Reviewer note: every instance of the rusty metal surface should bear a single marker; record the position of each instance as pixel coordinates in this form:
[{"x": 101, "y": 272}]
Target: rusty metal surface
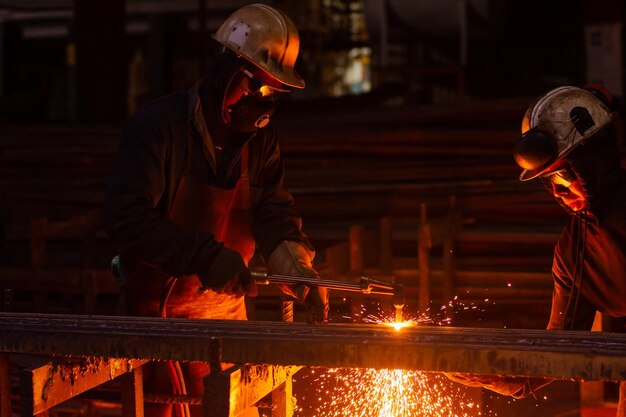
[{"x": 561, "y": 354}]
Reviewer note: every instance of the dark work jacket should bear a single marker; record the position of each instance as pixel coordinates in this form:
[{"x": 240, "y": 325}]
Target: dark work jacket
[
  {"x": 591, "y": 252},
  {"x": 152, "y": 157},
  {"x": 595, "y": 239}
]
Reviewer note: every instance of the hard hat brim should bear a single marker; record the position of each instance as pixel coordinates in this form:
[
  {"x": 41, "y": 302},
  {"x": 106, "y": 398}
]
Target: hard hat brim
[
  {"x": 289, "y": 78},
  {"x": 528, "y": 174}
]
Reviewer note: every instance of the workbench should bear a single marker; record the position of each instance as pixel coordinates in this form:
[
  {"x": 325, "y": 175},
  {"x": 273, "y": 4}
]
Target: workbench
[{"x": 269, "y": 349}]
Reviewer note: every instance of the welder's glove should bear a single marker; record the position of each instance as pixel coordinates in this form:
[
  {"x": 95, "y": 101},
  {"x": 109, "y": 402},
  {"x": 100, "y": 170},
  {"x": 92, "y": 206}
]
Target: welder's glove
[
  {"x": 295, "y": 259},
  {"x": 516, "y": 387},
  {"x": 229, "y": 274},
  {"x": 316, "y": 303}
]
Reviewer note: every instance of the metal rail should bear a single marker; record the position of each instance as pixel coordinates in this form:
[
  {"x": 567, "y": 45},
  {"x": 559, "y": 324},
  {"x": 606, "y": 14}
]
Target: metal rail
[{"x": 559, "y": 354}]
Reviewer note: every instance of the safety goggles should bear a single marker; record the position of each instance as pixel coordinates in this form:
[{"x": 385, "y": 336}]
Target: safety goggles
[
  {"x": 262, "y": 91},
  {"x": 563, "y": 177}
]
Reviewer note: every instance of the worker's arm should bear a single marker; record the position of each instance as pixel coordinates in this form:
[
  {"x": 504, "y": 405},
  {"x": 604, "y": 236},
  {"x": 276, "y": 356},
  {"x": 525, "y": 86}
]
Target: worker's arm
[
  {"x": 278, "y": 230},
  {"x": 276, "y": 218},
  {"x": 516, "y": 387},
  {"x": 568, "y": 311},
  {"x": 149, "y": 163}
]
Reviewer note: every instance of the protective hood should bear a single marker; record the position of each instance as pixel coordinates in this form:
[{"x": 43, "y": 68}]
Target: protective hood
[{"x": 217, "y": 79}]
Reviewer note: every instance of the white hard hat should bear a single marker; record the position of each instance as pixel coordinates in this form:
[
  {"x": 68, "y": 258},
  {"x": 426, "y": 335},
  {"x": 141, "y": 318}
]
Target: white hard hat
[
  {"x": 555, "y": 124},
  {"x": 267, "y": 38}
]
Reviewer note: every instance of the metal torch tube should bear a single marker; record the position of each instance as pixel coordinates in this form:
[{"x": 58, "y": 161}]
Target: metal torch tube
[{"x": 365, "y": 286}]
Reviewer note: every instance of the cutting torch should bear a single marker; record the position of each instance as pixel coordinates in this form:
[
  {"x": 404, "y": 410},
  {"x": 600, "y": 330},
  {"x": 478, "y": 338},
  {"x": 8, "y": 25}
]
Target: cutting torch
[{"x": 365, "y": 285}]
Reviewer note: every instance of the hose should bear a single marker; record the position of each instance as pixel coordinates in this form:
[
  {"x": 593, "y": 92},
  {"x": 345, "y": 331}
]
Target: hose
[{"x": 175, "y": 371}]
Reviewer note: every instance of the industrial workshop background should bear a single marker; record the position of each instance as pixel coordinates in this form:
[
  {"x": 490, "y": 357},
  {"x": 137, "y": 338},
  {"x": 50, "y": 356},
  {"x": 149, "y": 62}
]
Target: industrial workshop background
[{"x": 398, "y": 151}]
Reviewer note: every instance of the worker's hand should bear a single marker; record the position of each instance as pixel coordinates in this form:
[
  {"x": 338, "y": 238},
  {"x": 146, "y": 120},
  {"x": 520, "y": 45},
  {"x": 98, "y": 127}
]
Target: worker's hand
[
  {"x": 295, "y": 259},
  {"x": 516, "y": 387},
  {"x": 316, "y": 303},
  {"x": 229, "y": 274}
]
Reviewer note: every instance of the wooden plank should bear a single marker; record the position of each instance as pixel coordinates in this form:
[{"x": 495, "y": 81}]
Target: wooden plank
[
  {"x": 357, "y": 242},
  {"x": 423, "y": 259},
  {"x": 560, "y": 354},
  {"x": 90, "y": 292},
  {"x": 38, "y": 253},
  {"x": 132, "y": 393},
  {"x": 5, "y": 386},
  {"x": 57, "y": 279},
  {"x": 229, "y": 392},
  {"x": 283, "y": 402},
  {"x": 385, "y": 236},
  {"x": 50, "y": 383},
  {"x": 445, "y": 228},
  {"x": 509, "y": 237},
  {"x": 82, "y": 223}
]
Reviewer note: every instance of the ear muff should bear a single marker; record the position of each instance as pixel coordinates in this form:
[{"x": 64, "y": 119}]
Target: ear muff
[
  {"x": 535, "y": 150},
  {"x": 601, "y": 92}
]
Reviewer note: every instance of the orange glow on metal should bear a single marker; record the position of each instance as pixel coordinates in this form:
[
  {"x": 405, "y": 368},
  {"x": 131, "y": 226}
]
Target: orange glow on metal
[{"x": 400, "y": 325}]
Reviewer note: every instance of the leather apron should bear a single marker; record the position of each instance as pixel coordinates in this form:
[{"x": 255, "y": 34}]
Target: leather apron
[{"x": 227, "y": 214}]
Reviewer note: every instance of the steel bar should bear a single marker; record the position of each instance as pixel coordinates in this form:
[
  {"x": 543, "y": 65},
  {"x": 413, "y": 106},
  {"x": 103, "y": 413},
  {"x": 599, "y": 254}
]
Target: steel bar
[
  {"x": 172, "y": 399},
  {"x": 559, "y": 354}
]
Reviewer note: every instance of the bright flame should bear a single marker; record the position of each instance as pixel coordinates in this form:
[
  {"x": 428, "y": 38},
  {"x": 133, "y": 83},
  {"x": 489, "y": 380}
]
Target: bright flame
[{"x": 400, "y": 325}]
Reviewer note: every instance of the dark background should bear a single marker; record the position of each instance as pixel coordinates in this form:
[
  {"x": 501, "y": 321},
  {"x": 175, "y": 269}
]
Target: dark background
[
  {"x": 430, "y": 112},
  {"x": 138, "y": 50}
]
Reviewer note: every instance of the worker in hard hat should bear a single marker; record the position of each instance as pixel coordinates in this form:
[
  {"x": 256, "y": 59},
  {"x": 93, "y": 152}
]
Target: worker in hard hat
[
  {"x": 569, "y": 142},
  {"x": 198, "y": 185}
]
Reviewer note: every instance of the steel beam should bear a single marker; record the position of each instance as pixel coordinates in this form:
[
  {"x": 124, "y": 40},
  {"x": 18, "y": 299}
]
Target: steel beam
[{"x": 559, "y": 354}]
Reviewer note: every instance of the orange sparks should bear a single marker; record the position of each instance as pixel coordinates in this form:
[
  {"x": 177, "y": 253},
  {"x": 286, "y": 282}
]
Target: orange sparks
[{"x": 389, "y": 393}]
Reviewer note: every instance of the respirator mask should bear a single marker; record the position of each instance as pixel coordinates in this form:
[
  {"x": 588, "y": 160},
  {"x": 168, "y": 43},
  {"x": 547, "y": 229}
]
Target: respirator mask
[{"x": 254, "y": 109}]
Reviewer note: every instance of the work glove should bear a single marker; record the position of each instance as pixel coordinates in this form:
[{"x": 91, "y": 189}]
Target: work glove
[
  {"x": 295, "y": 259},
  {"x": 516, "y": 387},
  {"x": 229, "y": 274}
]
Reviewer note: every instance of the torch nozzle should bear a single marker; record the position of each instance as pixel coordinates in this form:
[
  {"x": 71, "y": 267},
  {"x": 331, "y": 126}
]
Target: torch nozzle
[{"x": 399, "y": 316}]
